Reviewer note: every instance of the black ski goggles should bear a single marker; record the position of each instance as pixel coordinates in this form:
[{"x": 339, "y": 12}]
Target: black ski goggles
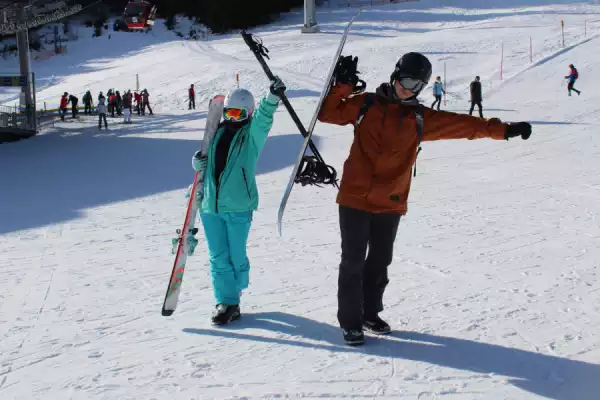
[{"x": 414, "y": 85}]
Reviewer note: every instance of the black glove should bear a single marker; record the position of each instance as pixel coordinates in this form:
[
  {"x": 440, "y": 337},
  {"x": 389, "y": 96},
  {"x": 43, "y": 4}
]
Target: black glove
[
  {"x": 345, "y": 71},
  {"x": 515, "y": 129},
  {"x": 277, "y": 87}
]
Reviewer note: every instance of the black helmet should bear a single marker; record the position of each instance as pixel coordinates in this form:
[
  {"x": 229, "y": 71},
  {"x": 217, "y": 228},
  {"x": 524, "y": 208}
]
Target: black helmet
[{"x": 413, "y": 66}]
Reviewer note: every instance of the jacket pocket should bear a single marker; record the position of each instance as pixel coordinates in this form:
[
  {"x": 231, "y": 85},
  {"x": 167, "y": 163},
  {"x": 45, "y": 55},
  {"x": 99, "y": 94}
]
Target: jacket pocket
[{"x": 246, "y": 182}]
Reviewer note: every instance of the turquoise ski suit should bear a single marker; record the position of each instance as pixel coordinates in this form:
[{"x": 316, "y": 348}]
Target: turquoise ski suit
[{"x": 227, "y": 205}]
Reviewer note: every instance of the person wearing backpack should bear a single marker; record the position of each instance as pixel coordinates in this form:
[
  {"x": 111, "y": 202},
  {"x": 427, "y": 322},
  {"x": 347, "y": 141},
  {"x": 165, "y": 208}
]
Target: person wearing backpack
[
  {"x": 389, "y": 126},
  {"x": 572, "y": 77},
  {"x": 438, "y": 91},
  {"x": 87, "y": 103}
]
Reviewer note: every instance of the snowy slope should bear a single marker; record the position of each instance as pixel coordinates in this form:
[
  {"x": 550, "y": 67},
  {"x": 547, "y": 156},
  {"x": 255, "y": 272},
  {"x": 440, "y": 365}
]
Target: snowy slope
[{"x": 493, "y": 291}]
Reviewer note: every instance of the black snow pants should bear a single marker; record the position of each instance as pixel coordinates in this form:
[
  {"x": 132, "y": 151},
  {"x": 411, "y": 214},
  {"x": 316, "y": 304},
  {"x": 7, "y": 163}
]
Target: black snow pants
[
  {"x": 438, "y": 100},
  {"x": 363, "y": 277},
  {"x": 478, "y": 103},
  {"x": 192, "y": 103},
  {"x": 102, "y": 117}
]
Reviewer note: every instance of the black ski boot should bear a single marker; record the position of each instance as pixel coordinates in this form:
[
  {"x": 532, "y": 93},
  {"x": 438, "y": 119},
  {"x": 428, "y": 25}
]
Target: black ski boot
[
  {"x": 377, "y": 326},
  {"x": 224, "y": 314},
  {"x": 354, "y": 337}
]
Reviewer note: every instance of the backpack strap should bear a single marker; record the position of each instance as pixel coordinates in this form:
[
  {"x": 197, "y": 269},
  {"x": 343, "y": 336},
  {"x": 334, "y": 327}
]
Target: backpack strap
[
  {"x": 369, "y": 99},
  {"x": 420, "y": 117}
]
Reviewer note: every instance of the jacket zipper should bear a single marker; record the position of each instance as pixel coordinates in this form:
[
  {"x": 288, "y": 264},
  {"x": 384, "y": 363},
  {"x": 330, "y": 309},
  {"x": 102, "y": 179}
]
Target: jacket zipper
[
  {"x": 222, "y": 173},
  {"x": 246, "y": 181}
]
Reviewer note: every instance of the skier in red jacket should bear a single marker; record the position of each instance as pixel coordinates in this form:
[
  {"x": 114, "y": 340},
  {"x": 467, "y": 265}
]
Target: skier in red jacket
[
  {"x": 64, "y": 102},
  {"x": 192, "y": 97}
]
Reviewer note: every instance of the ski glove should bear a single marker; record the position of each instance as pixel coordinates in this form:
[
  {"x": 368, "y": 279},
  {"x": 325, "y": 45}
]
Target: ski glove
[
  {"x": 199, "y": 162},
  {"x": 277, "y": 87},
  {"x": 346, "y": 70},
  {"x": 515, "y": 129}
]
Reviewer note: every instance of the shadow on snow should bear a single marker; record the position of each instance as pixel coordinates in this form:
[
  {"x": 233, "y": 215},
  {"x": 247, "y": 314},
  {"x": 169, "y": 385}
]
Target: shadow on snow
[
  {"x": 545, "y": 375},
  {"x": 52, "y": 178}
]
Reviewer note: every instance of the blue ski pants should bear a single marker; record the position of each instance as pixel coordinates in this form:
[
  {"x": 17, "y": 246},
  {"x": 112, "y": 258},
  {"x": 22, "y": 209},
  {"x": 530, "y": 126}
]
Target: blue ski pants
[{"x": 226, "y": 235}]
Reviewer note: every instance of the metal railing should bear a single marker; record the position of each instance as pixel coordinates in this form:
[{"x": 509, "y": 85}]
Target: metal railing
[{"x": 17, "y": 118}]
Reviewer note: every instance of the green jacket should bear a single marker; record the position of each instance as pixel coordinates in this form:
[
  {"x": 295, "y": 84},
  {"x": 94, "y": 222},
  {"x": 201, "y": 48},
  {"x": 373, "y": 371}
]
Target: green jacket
[{"x": 237, "y": 189}]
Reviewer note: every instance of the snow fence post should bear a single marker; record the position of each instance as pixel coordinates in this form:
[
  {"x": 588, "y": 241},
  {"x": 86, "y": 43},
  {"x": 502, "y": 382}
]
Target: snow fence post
[
  {"x": 562, "y": 27},
  {"x": 445, "y": 87},
  {"x": 501, "y": 60}
]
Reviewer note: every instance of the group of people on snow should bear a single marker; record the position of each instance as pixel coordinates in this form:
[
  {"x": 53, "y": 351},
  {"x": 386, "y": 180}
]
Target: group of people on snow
[
  {"x": 113, "y": 103},
  {"x": 389, "y": 126}
]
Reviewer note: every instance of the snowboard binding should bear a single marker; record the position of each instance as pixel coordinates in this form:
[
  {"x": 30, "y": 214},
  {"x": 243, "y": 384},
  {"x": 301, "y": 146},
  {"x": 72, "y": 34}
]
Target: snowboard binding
[
  {"x": 315, "y": 172},
  {"x": 191, "y": 241}
]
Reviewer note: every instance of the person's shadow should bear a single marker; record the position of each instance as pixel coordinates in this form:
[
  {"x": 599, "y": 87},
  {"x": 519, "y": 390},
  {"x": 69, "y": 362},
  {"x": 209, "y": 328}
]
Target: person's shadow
[{"x": 545, "y": 375}]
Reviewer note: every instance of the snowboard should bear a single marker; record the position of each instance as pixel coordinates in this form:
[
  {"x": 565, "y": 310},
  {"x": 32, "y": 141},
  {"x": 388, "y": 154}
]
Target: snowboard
[
  {"x": 313, "y": 121},
  {"x": 185, "y": 242}
]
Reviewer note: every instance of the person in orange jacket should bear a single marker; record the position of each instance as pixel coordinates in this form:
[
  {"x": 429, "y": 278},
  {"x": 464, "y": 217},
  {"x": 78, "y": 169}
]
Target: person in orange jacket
[
  {"x": 64, "y": 102},
  {"x": 389, "y": 126}
]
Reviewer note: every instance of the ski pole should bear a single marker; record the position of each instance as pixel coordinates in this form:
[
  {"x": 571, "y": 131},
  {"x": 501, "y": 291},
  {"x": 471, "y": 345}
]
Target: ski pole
[{"x": 261, "y": 52}]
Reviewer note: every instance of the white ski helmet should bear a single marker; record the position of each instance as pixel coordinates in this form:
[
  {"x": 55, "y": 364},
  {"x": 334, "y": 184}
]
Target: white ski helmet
[{"x": 240, "y": 98}]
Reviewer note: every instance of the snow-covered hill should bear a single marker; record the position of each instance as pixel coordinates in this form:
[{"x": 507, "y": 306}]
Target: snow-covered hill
[{"x": 494, "y": 289}]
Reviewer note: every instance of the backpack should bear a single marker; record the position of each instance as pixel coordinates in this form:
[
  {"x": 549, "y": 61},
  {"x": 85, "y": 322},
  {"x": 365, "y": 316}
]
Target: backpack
[
  {"x": 419, "y": 116},
  {"x": 575, "y": 73}
]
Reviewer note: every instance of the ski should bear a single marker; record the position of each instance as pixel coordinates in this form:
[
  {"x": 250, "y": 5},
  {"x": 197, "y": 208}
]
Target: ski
[
  {"x": 311, "y": 127},
  {"x": 185, "y": 242}
]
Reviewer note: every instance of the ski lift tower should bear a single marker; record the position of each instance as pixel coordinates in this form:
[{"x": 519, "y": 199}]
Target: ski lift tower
[{"x": 310, "y": 17}]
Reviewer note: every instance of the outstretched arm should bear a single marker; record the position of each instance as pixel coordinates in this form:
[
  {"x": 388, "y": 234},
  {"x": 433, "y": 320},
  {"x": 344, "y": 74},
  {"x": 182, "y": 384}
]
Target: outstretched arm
[{"x": 441, "y": 125}]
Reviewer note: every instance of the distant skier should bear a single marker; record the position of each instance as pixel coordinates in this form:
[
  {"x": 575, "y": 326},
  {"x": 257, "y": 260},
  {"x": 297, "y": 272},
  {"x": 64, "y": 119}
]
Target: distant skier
[
  {"x": 102, "y": 112},
  {"x": 87, "y": 103},
  {"x": 146, "y": 102},
  {"x": 64, "y": 103},
  {"x": 476, "y": 96},
  {"x": 119, "y": 103},
  {"x": 112, "y": 104},
  {"x": 127, "y": 103},
  {"x": 438, "y": 91},
  {"x": 192, "y": 97},
  {"x": 572, "y": 77},
  {"x": 377, "y": 176},
  {"x": 231, "y": 195},
  {"x": 137, "y": 97},
  {"x": 74, "y": 101}
]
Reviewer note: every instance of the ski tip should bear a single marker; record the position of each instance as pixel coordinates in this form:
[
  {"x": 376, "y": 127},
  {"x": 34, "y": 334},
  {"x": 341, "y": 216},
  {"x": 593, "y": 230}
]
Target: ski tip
[
  {"x": 279, "y": 228},
  {"x": 167, "y": 313}
]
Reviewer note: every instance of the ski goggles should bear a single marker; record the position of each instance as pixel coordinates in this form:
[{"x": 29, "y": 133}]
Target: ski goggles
[
  {"x": 235, "y": 114},
  {"x": 414, "y": 85}
]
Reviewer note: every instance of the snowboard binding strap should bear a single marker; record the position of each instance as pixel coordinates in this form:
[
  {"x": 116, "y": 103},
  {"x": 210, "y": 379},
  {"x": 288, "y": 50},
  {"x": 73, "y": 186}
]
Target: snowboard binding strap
[{"x": 314, "y": 172}]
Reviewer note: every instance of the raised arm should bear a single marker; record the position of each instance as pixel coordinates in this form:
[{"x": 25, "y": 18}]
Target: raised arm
[{"x": 339, "y": 108}]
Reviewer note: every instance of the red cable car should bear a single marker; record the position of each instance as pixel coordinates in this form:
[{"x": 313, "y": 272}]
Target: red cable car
[{"x": 139, "y": 15}]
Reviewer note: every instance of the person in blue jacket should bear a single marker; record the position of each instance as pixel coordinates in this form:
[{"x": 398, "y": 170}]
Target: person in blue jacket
[
  {"x": 438, "y": 90},
  {"x": 572, "y": 77},
  {"x": 230, "y": 193}
]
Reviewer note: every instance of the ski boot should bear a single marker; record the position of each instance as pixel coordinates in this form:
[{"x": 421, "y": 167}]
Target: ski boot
[{"x": 224, "y": 314}]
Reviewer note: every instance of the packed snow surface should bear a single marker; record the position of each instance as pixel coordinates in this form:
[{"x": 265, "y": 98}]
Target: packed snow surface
[{"x": 494, "y": 291}]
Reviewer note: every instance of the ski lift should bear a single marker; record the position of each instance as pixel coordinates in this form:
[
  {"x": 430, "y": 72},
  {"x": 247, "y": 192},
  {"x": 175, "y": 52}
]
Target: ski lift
[{"x": 139, "y": 14}]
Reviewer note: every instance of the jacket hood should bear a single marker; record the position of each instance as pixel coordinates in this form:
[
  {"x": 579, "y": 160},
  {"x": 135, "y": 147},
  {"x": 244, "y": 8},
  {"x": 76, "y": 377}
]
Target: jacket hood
[{"x": 386, "y": 91}]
